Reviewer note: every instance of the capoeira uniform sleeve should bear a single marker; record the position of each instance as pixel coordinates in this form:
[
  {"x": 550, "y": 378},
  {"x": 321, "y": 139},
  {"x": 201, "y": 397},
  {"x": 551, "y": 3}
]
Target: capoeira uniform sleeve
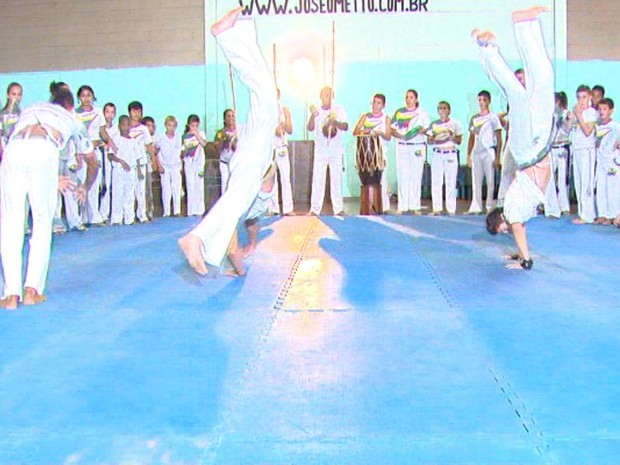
[
  {"x": 531, "y": 108},
  {"x": 254, "y": 151}
]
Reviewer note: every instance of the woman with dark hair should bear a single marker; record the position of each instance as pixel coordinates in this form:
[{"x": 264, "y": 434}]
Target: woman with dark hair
[
  {"x": 226, "y": 143},
  {"x": 29, "y": 171},
  {"x": 93, "y": 120},
  {"x": 10, "y": 112}
]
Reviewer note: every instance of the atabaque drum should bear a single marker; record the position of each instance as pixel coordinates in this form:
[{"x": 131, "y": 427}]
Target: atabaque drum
[{"x": 370, "y": 164}]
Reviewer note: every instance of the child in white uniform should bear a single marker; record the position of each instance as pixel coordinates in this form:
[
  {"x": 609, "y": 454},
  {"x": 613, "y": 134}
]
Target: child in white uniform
[
  {"x": 124, "y": 165},
  {"x": 169, "y": 154},
  {"x": 194, "y": 143},
  {"x": 140, "y": 132},
  {"x": 607, "y": 164},
  {"x": 93, "y": 119},
  {"x": 581, "y": 123}
]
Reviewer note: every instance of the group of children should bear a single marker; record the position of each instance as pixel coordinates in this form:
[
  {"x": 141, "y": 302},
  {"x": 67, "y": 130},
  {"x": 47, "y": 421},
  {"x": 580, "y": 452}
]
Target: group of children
[{"x": 129, "y": 149}]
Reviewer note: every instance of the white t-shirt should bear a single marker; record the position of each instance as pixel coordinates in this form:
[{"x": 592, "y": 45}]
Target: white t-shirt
[
  {"x": 578, "y": 138},
  {"x": 93, "y": 120},
  {"x": 607, "y": 137},
  {"x": 484, "y": 127},
  {"x": 335, "y": 144},
  {"x": 169, "y": 149},
  {"x": 404, "y": 120},
  {"x": 141, "y": 134},
  {"x": 561, "y": 135},
  {"x": 129, "y": 150},
  {"x": 441, "y": 131}
]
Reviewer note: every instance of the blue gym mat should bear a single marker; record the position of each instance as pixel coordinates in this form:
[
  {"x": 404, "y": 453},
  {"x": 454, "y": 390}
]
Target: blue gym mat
[{"x": 357, "y": 340}]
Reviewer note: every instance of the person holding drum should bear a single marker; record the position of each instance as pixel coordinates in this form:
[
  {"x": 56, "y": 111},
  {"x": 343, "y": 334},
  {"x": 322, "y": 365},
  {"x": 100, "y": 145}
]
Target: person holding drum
[
  {"x": 408, "y": 128},
  {"x": 328, "y": 122},
  {"x": 377, "y": 125},
  {"x": 445, "y": 134}
]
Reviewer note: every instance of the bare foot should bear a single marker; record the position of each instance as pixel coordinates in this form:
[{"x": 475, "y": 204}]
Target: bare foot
[
  {"x": 32, "y": 297},
  {"x": 9, "y": 302},
  {"x": 600, "y": 220},
  {"x": 617, "y": 221},
  {"x": 528, "y": 14},
  {"x": 249, "y": 250},
  {"x": 483, "y": 37},
  {"x": 192, "y": 249},
  {"x": 226, "y": 22},
  {"x": 578, "y": 221},
  {"x": 236, "y": 260}
]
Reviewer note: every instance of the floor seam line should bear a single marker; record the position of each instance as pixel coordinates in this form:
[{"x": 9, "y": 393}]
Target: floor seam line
[
  {"x": 520, "y": 410},
  {"x": 250, "y": 365}
]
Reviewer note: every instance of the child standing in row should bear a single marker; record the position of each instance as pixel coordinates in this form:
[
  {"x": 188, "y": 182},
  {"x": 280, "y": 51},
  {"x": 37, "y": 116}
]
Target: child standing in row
[
  {"x": 194, "y": 142},
  {"x": 169, "y": 146},
  {"x": 124, "y": 165},
  {"x": 93, "y": 120},
  {"x": 140, "y": 132},
  {"x": 607, "y": 164}
]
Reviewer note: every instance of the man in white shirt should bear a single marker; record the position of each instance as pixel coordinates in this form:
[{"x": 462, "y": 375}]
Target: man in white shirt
[
  {"x": 328, "y": 122},
  {"x": 483, "y": 152}
]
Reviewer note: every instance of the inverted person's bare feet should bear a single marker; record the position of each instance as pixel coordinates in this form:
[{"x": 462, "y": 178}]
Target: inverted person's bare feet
[
  {"x": 32, "y": 297},
  {"x": 226, "y": 22},
  {"x": 192, "y": 249},
  {"x": 9, "y": 302},
  {"x": 483, "y": 37},
  {"x": 528, "y": 14}
]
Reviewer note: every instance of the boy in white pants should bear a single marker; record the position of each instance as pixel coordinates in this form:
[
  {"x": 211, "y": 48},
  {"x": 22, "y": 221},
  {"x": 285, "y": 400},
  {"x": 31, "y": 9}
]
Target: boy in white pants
[
  {"x": 607, "y": 164},
  {"x": 209, "y": 241},
  {"x": 483, "y": 152},
  {"x": 581, "y": 123},
  {"x": 169, "y": 146},
  {"x": 124, "y": 166},
  {"x": 445, "y": 134},
  {"x": 531, "y": 126}
]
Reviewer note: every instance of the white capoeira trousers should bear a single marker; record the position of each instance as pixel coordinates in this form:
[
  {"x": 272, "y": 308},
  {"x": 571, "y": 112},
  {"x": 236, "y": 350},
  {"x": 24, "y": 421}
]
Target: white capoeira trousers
[
  {"x": 140, "y": 193},
  {"x": 284, "y": 167},
  {"x": 194, "y": 168},
  {"x": 123, "y": 195},
  {"x": 583, "y": 172},
  {"x": 385, "y": 190},
  {"x": 322, "y": 160},
  {"x": 410, "y": 159},
  {"x": 72, "y": 209},
  {"x": 607, "y": 186},
  {"x": 91, "y": 214},
  {"x": 557, "y": 191},
  {"x": 444, "y": 166},
  {"x": 254, "y": 151},
  {"x": 171, "y": 189},
  {"x": 482, "y": 168},
  {"x": 224, "y": 175},
  {"x": 29, "y": 170},
  {"x": 105, "y": 205},
  {"x": 509, "y": 170},
  {"x": 531, "y": 108}
]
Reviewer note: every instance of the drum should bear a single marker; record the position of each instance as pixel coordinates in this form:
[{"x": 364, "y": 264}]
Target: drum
[
  {"x": 369, "y": 163},
  {"x": 369, "y": 159}
]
